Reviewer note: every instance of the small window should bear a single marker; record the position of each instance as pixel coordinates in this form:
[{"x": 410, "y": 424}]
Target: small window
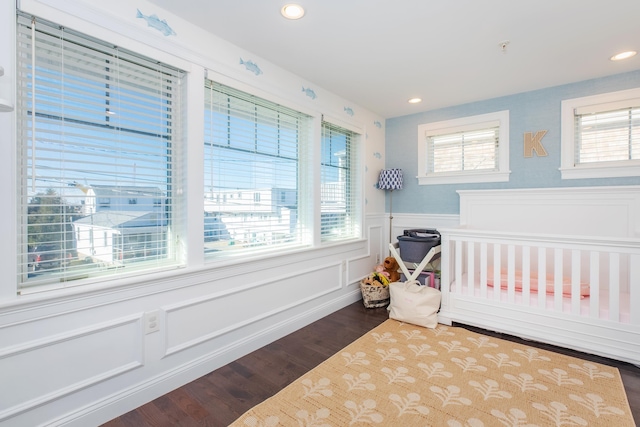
[
  {"x": 469, "y": 149},
  {"x": 601, "y": 135}
]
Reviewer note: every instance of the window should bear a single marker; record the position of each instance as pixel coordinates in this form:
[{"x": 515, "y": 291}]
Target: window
[
  {"x": 98, "y": 126},
  {"x": 340, "y": 195},
  {"x": 256, "y": 150},
  {"x": 601, "y": 135},
  {"x": 469, "y": 149}
]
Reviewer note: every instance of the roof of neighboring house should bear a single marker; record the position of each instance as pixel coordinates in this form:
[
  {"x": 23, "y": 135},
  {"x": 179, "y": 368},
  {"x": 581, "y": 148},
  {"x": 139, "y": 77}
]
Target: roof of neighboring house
[
  {"x": 126, "y": 191},
  {"x": 123, "y": 220}
]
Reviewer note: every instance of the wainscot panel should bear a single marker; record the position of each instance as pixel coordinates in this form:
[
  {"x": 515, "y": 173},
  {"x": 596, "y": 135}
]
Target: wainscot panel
[
  {"x": 193, "y": 322},
  {"x": 81, "y": 357}
]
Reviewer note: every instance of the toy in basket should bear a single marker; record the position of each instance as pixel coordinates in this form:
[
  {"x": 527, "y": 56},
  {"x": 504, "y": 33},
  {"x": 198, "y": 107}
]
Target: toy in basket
[{"x": 375, "y": 287}]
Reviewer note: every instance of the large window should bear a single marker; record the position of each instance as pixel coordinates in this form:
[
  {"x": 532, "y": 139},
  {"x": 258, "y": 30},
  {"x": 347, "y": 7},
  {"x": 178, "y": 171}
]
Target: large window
[
  {"x": 98, "y": 128},
  {"x": 340, "y": 190},
  {"x": 601, "y": 135},
  {"x": 254, "y": 177},
  {"x": 469, "y": 149}
]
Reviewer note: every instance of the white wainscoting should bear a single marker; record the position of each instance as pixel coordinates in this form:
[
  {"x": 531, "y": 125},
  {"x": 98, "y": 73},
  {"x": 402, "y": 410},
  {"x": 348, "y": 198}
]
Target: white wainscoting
[
  {"x": 82, "y": 359},
  {"x": 59, "y": 365},
  {"x": 189, "y": 323}
]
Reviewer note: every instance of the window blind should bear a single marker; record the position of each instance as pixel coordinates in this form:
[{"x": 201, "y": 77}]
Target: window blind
[
  {"x": 471, "y": 150},
  {"x": 254, "y": 165},
  {"x": 607, "y": 135},
  {"x": 99, "y": 132},
  {"x": 340, "y": 192}
]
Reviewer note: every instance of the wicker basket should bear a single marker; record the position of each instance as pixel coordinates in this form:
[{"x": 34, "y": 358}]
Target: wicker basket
[{"x": 374, "y": 296}]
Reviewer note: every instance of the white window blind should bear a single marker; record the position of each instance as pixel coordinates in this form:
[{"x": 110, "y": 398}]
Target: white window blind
[
  {"x": 474, "y": 150},
  {"x": 256, "y": 152},
  {"x": 469, "y": 149},
  {"x": 610, "y": 133},
  {"x": 340, "y": 193},
  {"x": 99, "y": 134}
]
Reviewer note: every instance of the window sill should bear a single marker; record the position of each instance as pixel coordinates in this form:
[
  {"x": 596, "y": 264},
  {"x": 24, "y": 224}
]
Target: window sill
[
  {"x": 464, "y": 178},
  {"x": 608, "y": 171}
]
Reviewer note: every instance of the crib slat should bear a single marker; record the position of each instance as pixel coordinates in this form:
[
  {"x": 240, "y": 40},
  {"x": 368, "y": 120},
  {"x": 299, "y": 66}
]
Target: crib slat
[
  {"x": 496, "y": 271},
  {"x": 483, "y": 269},
  {"x": 557, "y": 279},
  {"x": 614, "y": 286},
  {"x": 526, "y": 276},
  {"x": 594, "y": 284},
  {"x": 542, "y": 277},
  {"x": 634, "y": 291},
  {"x": 575, "y": 281},
  {"x": 471, "y": 275},
  {"x": 458, "y": 266},
  {"x": 511, "y": 273}
]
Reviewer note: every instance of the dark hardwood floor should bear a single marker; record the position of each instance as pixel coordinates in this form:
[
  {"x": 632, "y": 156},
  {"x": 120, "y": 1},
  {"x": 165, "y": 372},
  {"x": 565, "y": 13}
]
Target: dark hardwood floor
[{"x": 221, "y": 396}]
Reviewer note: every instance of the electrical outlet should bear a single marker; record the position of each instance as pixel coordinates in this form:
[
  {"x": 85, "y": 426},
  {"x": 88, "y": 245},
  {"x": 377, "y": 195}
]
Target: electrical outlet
[
  {"x": 377, "y": 259},
  {"x": 151, "y": 321}
]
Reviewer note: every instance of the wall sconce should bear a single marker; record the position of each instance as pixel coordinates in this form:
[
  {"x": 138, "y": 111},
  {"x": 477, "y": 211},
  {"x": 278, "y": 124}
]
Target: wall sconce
[
  {"x": 5, "y": 105},
  {"x": 390, "y": 179}
]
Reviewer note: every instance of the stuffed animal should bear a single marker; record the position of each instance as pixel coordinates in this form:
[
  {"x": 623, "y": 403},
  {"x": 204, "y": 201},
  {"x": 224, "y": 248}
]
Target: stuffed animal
[
  {"x": 376, "y": 279},
  {"x": 391, "y": 266},
  {"x": 380, "y": 269}
]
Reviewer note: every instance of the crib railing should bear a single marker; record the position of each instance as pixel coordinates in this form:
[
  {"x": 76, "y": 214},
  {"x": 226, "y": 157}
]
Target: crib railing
[{"x": 583, "y": 276}]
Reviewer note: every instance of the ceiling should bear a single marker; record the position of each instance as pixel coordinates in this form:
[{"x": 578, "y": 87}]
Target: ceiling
[{"x": 379, "y": 53}]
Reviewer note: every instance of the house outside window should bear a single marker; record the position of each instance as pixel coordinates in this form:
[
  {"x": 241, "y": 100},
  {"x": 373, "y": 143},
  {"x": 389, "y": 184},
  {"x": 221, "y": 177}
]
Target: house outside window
[
  {"x": 340, "y": 194},
  {"x": 97, "y": 126},
  {"x": 464, "y": 150},
  {"x": 601, "y": 135},
  {"x": 256, "y": 158}
]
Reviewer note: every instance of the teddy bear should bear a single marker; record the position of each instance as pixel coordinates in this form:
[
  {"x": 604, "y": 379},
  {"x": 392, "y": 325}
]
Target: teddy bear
[{"x": 391, "y": 267}]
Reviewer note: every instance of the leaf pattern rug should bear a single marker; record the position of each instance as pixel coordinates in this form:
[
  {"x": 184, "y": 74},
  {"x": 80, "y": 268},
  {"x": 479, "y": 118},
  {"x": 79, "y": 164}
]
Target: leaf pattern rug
[{"x": 400, "y": 374}]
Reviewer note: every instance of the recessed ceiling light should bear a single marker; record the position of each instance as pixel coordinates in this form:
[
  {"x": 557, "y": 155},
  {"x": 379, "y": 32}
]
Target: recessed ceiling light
[
  {"x": 415, "y": 100},
  {"x": 292, "y": 11},
  {"x": 623, "y": 55}
]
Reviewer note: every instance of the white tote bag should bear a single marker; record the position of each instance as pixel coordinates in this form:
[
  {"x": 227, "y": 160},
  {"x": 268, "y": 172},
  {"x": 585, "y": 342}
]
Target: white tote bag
[{"x": 415, "y": 304}]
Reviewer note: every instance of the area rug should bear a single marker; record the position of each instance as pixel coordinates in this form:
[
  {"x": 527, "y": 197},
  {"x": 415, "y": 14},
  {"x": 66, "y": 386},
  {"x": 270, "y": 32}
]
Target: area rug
[{"x": 404, "y": 375}]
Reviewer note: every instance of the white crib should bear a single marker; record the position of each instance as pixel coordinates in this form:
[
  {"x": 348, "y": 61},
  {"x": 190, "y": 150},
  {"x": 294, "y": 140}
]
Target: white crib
[{"x": 560, "y": 266}]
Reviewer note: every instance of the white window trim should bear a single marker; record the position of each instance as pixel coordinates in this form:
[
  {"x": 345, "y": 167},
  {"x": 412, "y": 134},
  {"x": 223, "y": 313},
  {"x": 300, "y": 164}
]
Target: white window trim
[
  {"x": 568, "y": 168},
  {"x": 462, "y": 124}
]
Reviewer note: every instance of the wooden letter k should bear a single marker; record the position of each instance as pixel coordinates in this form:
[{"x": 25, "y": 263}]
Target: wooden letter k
[{"x": 532, "y": 143}]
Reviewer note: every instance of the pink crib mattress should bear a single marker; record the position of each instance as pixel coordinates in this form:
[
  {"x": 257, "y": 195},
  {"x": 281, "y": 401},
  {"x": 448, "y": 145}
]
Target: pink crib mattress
[{"x": 533, "y": 283}]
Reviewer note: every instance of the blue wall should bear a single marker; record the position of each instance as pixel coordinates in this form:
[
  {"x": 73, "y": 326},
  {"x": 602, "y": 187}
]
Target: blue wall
[{"x": 528, "y": 112}]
